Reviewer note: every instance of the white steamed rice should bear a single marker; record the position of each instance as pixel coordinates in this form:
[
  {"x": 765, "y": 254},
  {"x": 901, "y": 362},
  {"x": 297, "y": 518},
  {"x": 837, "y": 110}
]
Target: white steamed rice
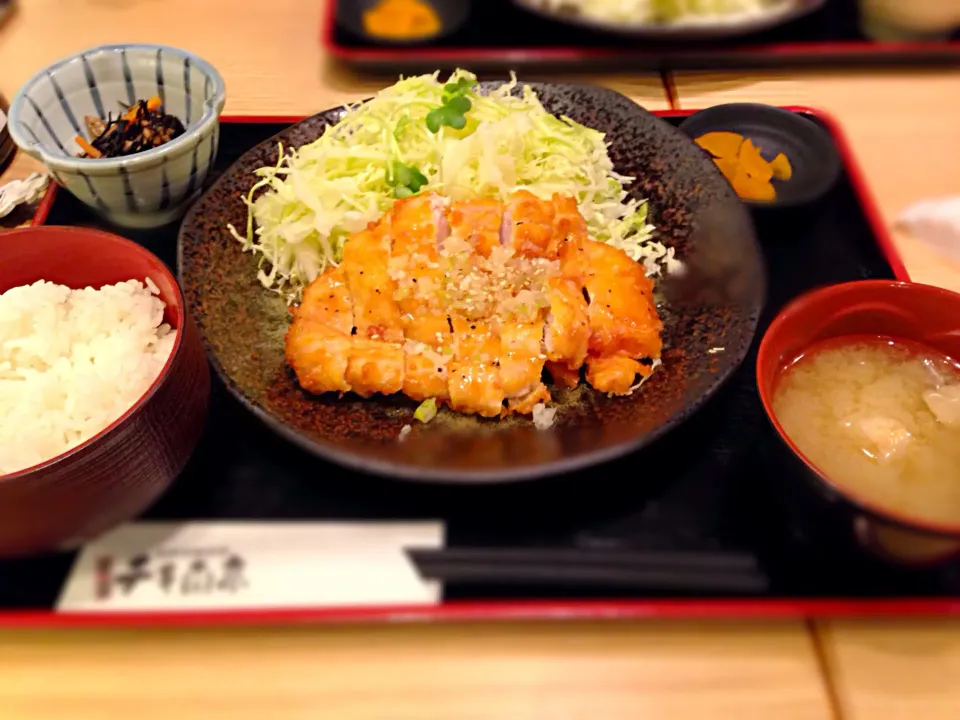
[{"x": 72, "y": 362}]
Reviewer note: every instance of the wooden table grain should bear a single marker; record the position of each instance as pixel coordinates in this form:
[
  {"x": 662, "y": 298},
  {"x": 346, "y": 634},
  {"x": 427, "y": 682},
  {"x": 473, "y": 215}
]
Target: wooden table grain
[
  {"x": 903, "y": 129},
  {"x": 576, "y": 671}
]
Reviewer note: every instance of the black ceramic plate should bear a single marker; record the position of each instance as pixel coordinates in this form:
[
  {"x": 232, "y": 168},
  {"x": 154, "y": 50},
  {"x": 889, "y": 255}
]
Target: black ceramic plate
[
  {"x": 710, "y": 315},
  {"x": 812, "y": 153},
  {"x": 781, "y": 12}
]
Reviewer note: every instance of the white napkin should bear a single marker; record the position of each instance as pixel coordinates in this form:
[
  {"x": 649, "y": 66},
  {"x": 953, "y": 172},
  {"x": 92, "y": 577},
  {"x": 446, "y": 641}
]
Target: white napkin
[
  {"x": 16, "y": 192},
  {"x": 936, "y": 223}
]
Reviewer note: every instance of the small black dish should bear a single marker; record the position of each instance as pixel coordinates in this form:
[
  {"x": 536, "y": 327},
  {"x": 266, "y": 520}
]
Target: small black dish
[
  {"x": 808, "y": 147},
  {"x": 453, "y": 14}
]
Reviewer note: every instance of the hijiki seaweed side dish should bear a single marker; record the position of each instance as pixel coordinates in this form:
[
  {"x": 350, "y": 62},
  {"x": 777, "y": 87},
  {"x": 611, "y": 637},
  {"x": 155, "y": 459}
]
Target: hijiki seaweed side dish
[{"x": 143, "y": 126}]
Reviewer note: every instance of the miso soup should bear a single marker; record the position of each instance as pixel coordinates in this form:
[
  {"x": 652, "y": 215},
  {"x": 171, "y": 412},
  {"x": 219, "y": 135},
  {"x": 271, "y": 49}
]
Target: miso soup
[{"x": 880, "y": 418}]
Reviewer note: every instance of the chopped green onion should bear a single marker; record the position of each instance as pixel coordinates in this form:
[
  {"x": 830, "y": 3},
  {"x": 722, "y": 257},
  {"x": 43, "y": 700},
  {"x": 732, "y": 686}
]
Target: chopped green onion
[{"x": 427, "y": 410}]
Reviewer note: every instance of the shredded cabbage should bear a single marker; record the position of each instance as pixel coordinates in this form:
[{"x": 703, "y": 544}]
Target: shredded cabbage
[{"x": 302, "y": 209}]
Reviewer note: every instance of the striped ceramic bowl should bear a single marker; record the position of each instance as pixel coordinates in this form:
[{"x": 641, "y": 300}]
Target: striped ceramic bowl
[{"x": 139, "y": 191}]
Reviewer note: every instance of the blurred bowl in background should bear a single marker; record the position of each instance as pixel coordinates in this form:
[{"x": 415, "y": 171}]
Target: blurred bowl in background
[
  {"x": 901, "y": 21},
  {"x": 144, "y": 190},
  {"x": 691, "y": 27},
  {"x": 119, "y": 472}
]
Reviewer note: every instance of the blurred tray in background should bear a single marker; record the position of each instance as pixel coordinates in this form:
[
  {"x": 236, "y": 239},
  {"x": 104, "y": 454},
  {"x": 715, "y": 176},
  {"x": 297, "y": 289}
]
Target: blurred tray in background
[{"x": 497, "y": 34}]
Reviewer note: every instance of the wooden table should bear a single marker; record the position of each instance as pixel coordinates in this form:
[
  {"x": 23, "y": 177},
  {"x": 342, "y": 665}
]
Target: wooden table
[
  {"x": 502, "y": 672},
  {"x": 272, "y": 64}
]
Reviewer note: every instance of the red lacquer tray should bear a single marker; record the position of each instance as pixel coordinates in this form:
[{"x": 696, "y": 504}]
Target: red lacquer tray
[{"x": 854, "y": 243}]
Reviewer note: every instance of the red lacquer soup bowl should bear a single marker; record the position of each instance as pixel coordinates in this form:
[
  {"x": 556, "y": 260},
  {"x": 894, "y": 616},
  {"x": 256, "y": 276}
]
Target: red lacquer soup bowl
[
  {"x": 916, "y": 313},
  {"x": 119, "y": 472}
]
